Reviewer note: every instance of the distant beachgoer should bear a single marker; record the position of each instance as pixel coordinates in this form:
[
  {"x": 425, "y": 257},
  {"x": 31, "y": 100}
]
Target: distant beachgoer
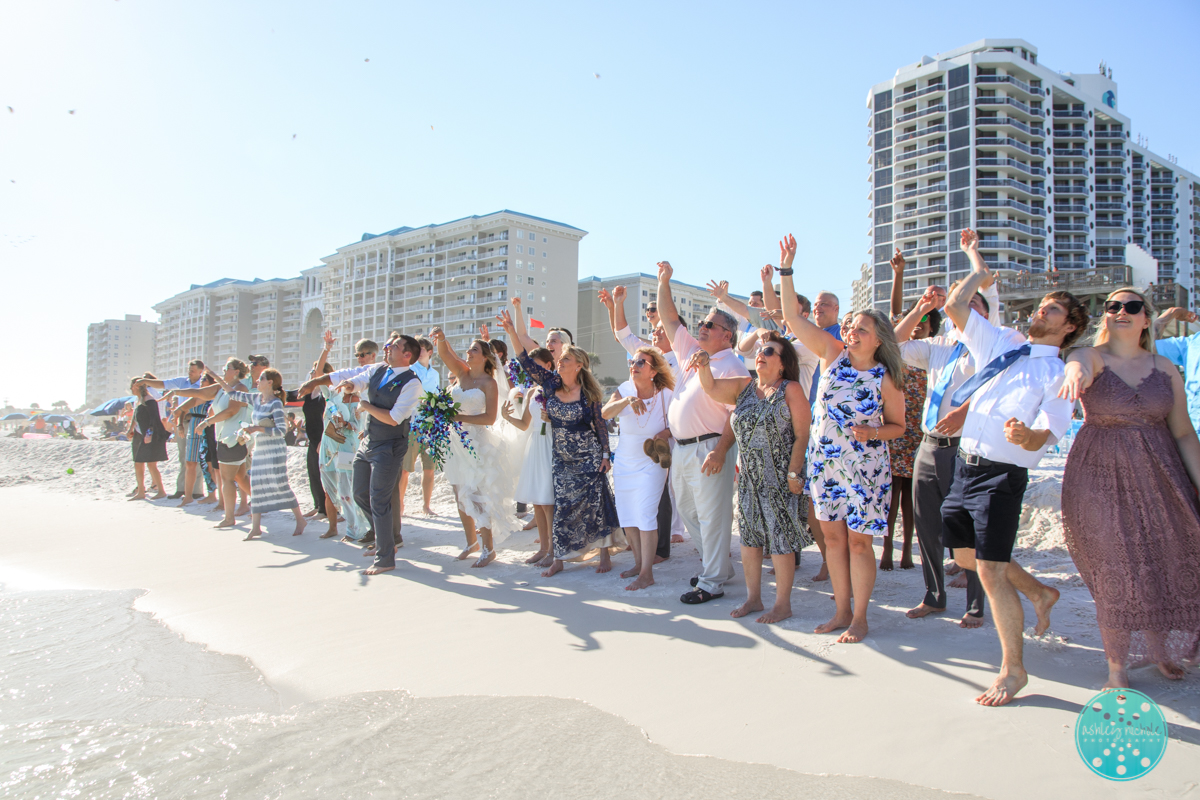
[
  {"x": 149, "y": 436},
  {"x": 191, "y": 381}
]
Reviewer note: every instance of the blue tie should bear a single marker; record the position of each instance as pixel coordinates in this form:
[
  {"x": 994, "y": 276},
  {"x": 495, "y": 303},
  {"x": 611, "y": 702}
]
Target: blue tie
[
  {"x": 994, "y": 368},
  {"x": 939, "y": 390},
  {"x": 387, "y": 376}
]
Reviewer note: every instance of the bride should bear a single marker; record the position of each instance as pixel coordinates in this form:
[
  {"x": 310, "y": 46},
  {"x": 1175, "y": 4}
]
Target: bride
[{"x": 483, "y": 480}]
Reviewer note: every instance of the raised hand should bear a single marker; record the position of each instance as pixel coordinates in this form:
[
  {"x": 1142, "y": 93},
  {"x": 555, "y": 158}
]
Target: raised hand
[
  {"x": 774, "y": 314},
  {"x": 897, "y": 262},
  {"x": 787, "y": 251},
  {"x": 329, "y": 340},
  {"x": 516, "y": 301},
  {"x": 619, "y": 294},
  {"x": 506, "y": 322},
  {"x": 665, "y": 270},
  {"x": 930, "y": 300},
  {"x": 718, "y": 289},
  {"x": 436, "y": 335},
  {"x": 605, "y": 299},
  {"x": 483, "y": 332},
  {"x": 1180, "y": 314},
  {"x": 767, "y": 273},
  {"x": 968, "y": 241},
  {"x": 345, "y": 387}
]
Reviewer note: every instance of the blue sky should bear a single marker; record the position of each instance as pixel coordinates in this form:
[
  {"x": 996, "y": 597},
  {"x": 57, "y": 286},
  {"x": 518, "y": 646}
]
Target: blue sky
[{"x": 712, "y": 130}]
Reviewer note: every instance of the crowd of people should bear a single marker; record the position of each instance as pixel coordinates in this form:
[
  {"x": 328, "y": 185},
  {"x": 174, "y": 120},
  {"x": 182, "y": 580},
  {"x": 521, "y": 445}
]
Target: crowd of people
[{"x": 813, "y": 427}]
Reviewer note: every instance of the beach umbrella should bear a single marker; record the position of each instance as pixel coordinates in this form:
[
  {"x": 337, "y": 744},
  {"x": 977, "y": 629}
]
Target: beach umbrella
[
  {"x": 112, "y": 407},
  {"x": 12, "y": 416},
  {"x": 58, "y": 418}
]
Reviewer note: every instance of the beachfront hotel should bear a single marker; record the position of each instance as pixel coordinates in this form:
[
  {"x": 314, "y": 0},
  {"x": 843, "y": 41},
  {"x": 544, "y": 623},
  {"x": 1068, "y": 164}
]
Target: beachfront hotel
[
  {"x": 117, "y": 350},
  {"x": 1041, "y": 163},
  {"x": 456, "y": 275},
  {"x": 594, "y": 334}
]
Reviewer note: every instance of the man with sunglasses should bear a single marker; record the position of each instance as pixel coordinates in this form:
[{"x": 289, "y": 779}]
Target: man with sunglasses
[
  {"x": 1015, "y": 414},
  {"x": 705, "y": 453},
  {"x": 1183, "y": 352}
]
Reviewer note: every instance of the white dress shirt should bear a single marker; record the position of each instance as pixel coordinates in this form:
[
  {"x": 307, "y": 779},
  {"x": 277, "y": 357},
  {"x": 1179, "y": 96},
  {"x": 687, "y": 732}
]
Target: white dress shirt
[
  {"x": 632, "y": 342},
  {"x": 1027, "y": 390},
  {"x": 410, "y": 395},
  {"x": 349, "y": 373}
]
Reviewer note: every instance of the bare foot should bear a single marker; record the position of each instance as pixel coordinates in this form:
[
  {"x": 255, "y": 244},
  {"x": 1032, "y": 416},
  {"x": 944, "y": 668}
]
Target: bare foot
[
  {"x": 822, "y": 574},
  {"x": 1005, "y": 689},
  {"x": 312, "y": 513},
  {"x": 377, "y": 570},
  {"x": 139, "y": 496},
  {"x": 1170, "y": 670},
  {"x": 547, "y": 561},
  {"x": 555, "y": 568},
  {"x": 640, "y": 583},
  {"x": 836, "y": 624},
  {"x": 658, "y": 559},
  {"x": 1042, "y": 605},
  {"x": 605, "y": 563},
  {"x": 369, "y": 551},
  {"x": 252, "y": 535},
  {"x": 748, "y": 607},
  {"x": 885, "y": 563},
  {"x": 970, "y": 621},
  {"x": 1117, "y": 680},
  {"x": 960, "y": 580},
  {"x": 427, "y": 511},
  {"x": 923, "y": 611},
  {"x": 226, "y": 523},
  {"x": 159, "y": 496},
  {"x": 209, "y": 499},
  {"x": 329, "y": 534},
  {"x": 677, "y": 538},
  {"x": 530, "y": 525},
  {"x": 483, "y": 562},
  {"x": 906, "y": 561},
  {"x": 242, "y": 511},
  {"x": 300, "y": 526},
  {"x": 855, "y": 633},
  {"x": 629, "y": 573},
  {"x": 536, "y": 557},
  {"x": 187, "y": 501},
  {"x": 776, "y": 614},
  {"x": 465, "y": 554},
  {"x": 952, "y": 569}
]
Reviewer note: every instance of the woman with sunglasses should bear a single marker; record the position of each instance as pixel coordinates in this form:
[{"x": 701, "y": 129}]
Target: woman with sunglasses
[
  {"x": 770, "y": 422},
  {"x": 639, "y": 471},
  {"x": 1129, "y": 505}
]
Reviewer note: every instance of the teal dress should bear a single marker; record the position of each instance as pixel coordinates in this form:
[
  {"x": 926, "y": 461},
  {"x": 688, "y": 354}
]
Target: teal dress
[{"x": 337, "y": 482}]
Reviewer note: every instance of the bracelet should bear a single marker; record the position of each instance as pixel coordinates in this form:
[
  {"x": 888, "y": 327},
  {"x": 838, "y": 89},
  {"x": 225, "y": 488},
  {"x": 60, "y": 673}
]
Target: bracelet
[{"x": 786, "y": 272}]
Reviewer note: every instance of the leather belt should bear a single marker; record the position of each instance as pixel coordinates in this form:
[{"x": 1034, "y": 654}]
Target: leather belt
[
  {"x": 695, "y": 439},
  {"x": 979, "y": 461},
  {"x": 942, "y": 442}
]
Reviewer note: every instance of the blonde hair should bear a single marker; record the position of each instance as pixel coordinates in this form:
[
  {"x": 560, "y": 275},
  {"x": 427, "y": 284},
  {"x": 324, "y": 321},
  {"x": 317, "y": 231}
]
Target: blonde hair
[
  {"x": 664, "y": 378},
  {"x": 587, "y": 381},
  {"x": 1147, "y": 338},
  {"x": 888, "y": 351},
  {"x": 276, "y": 383}
]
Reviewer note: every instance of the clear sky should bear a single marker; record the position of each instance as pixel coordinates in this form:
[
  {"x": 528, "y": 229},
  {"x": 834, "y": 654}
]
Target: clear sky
[{"x": 249, "y": 139}]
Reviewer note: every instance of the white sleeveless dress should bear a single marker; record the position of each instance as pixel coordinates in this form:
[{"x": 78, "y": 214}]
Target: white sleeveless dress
[
  {"x": 485, "y": 480},
  {"x": 537, "y": 472},
  {"x": 637, "y": 481}
]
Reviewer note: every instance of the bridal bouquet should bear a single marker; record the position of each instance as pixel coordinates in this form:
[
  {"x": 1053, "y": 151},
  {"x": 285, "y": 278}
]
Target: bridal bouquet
[
  {"x": 436, "y": 415},
  {"x": 517, "y": 376}
]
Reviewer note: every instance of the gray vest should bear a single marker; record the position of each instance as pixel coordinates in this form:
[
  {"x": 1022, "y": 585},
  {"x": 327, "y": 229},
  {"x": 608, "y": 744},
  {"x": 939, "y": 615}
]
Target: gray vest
[{"x": 385, "y": 397}]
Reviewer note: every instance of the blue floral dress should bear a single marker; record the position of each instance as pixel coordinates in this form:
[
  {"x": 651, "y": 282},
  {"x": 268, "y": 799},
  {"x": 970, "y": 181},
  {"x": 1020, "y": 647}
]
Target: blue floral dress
[{"x": 847, "y": 479}]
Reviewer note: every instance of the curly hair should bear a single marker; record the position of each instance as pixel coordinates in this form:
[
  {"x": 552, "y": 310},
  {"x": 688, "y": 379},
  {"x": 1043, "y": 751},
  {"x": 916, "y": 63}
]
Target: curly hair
[{"x": 1077, "y": 315}]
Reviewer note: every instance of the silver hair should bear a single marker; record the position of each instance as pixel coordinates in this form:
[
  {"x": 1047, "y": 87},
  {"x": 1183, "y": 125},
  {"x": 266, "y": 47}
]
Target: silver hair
[
  {"x": 729, "y": 322},
  {"x": 888, "y": 351}
]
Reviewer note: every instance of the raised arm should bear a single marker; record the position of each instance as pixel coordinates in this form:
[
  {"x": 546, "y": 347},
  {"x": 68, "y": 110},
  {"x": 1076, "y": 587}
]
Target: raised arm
[
  {"x": 720, "y": 291},
  {"x": 722, "y": 390},
  {"x": 321, "y": 360},
  {"x": 203, "y": 393},
  {"x": 1172, "y": 315},
  {"x": 608, "y": 301},
  {"x": 1181, "y": 426},
  {"x": 958, "y": 305},
  {"x": 906, "y": 326},
  {"x": 447, "y": 355},
  {"x": 897, "y": 263},
  {"x": 520, "y": 332},
  {"x": 770, "y": 299},
  {"x": 220, "y": 382},
  {"x": 820, "y": 342},
  {"x": 668, "y": 314},
  {"x": 519, "y": 422}
]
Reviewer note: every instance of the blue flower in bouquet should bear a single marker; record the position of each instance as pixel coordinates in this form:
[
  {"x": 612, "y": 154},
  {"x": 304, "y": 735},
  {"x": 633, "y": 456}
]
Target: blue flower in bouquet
[{"x": 437, "y": 413}]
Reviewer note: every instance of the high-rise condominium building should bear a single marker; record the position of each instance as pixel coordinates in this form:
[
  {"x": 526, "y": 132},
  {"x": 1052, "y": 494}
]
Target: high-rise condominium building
[
  {"x": 117, "y": 350},
  {"x": 236, "y": 318},
  {"x": 595, "y": 335},
  {"x": 1040, "y": 162},
  {"x": 456, "y": 275}
]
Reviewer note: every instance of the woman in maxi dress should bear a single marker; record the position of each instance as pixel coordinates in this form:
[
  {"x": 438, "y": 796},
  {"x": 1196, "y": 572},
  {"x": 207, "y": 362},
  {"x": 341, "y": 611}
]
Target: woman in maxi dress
[{"x": 536, "y": 485}]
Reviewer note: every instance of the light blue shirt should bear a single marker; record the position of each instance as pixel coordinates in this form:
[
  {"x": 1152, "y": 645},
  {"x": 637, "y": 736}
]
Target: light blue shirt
[
  {"x": 1184, "y": 351},
  {"x": 430, "y": 380},
  {"x": 180, "y": 383}
]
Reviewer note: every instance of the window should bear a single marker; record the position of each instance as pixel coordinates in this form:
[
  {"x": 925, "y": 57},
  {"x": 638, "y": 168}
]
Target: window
[
  {"x": 543, "y": 254},
  {"x": 531, "y": 281},
  {"x": 520, "y": 264},
  {"x": 645, "y": 293},
  {"x": 531, "y": 267},
  {"x": 545, "y": 240},
  {"x": 520, "y": 248},
  {"x": 520, "y": 234},
  {"x": 529, "y": 295}
]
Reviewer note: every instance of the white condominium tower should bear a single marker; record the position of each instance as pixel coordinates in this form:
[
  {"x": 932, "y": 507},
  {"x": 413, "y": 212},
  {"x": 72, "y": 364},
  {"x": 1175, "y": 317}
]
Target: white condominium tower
[
  {"x": 1040, "y": 162},
  {"x": 117, "y": 350},
  {"x": 455, "y": 275}
]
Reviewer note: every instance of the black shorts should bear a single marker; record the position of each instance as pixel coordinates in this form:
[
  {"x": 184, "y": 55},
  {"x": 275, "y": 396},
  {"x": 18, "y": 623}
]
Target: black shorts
[
  {"x": 231, "y": 455},
  {"x": 983, "y": 509}
]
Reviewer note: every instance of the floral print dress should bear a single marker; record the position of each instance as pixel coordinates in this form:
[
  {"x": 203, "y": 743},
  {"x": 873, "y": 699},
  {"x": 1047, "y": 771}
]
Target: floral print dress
[
  {"x": 903, "y": 450},
  {"x": 848, "y": 480}
]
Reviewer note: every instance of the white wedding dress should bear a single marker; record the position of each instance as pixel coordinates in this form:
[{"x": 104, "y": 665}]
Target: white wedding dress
[{"x": 485, "y": 480}]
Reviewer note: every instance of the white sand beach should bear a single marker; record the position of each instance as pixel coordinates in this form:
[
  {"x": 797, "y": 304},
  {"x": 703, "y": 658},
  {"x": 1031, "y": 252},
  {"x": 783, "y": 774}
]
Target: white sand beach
[{"x": 284, "y": 670}]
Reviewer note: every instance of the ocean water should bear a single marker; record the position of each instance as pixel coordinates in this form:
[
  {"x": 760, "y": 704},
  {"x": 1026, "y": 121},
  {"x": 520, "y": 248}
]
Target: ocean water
[{"x": 98, "y": 700}]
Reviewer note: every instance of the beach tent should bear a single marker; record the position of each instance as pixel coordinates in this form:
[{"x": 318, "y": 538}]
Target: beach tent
[
  {"x": 13, "y": 416},
  {"x": 112, "y": 407}
]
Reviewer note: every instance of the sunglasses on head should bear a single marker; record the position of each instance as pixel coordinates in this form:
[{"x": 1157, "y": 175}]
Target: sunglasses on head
[
  {"x": 1130, "y": 306},
  {"x": 638, "y": 364}
]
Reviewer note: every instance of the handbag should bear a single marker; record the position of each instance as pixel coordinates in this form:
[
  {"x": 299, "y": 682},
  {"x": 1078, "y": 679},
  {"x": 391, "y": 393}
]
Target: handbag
[
  {"x": 334, "y": 434},
  {"x": 345, "y": 460}
]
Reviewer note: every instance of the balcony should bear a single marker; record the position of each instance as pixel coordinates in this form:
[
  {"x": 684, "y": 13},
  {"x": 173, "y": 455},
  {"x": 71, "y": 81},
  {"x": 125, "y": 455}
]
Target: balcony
[
  {"x": 1067, "y": 113},
  {"x": 1009, "y": 183},
  {"x": 928, "y": 230},
  {"x": 501, "y": 267},
  {"x": 924, "y": 151},
  {"x": 904, "y": 98},
  {"x": 1070, "y": 171},
  {"x": 494, "y": 237},
  {"x": 421, "y": 279},
  {"x": 1071, "y": 247},
  {"x": 1168, "y": 294},
  {"x": 1001, "y": 244},
  {"x": 1071, "y": 263},
  {"x": 1067, "y": 208},
  {"x": 1012, "y": 81},
  {"x": 1112, "y": 153},
  {"x": 1162, "y": 212},
  {"x": 1113, "y": 224},
  {"x": 1015, "y": 204},
  {"x": 1010, "y": 224},
  {"x": 937, "y": 208},
  {"x": 463, "y": 257},
  {"x": 1110, "y": 171},
  {"x": 1111, "y": 259},
  {"x": 1110, "y": 135},
  {"x": 925, "y": 251},
  {"x": 987, "y": 122},
  {"x": 1102, "y": 242},
  {"x": 926, "y": 131},
  {"x": 1110, "y": 206},
  {"x": 1070, "y": 151},
  {"x": 1164, "y": 253},
  {"x": 1158, "y": 180},
  {"x": 1074, "y": 191},
  {"x": 1164, "y": 227},
  {"x": 936, "y": 188},
  {"x": 1011, "y": 163},
  {"x": 1064, "y": 133},
  {"x": 1011, "y": 102},
  {"x": 1005, "y": 141},
  {"x": 470, "y": 314},
  {"x": 1168, "y": 196},
  {"x": 1111, "y": 188},
  {"x": 923, "y": 112}
]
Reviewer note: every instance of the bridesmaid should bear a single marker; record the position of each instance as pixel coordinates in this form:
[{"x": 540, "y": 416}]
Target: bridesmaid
[
  {"x": 1129, "y": 505},
  {"x": 770, "y": 421},
  {"x": 859, "y": 406},
  {"x": 536, "y": 484},
  {"x": 585, "y": 517},
  {"x": 642, "y": 402}
]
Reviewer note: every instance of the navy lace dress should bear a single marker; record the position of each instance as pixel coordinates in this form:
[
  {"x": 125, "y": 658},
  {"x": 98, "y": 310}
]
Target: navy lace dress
[{"x": 585, "y": 515}]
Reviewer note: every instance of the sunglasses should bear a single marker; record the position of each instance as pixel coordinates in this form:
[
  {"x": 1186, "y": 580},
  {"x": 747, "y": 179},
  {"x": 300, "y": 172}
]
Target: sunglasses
[
  {"x": 769, "y": 351},
  {"x": 361, "y": 355},
  {"x": 708, "y": 323},
  {"x": 641, "y": 362},
  {"x": 1130, "y": 306}
]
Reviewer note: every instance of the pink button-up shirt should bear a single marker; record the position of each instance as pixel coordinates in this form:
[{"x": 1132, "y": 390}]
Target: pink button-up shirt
[{"x": 693, "y": 413}]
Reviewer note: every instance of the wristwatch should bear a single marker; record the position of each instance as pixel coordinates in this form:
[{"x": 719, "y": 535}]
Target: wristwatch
[{"x": 792, "y": 475}]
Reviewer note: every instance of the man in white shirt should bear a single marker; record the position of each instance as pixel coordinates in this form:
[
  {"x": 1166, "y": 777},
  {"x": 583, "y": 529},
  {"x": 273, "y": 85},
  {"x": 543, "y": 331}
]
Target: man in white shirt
[
  {"x": 430, "y": 382},
  {"x": 192, "y": 381},
  {"x": 390, "y": 394},
  {"x": 1015, "y": 415},
  {"x": 947, "y": 363},
  {"x": 705, "y": 452}
]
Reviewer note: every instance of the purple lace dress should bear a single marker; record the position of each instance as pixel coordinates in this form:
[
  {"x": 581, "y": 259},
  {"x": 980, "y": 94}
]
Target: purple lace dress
[{"x": 1132, "y": 522}]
